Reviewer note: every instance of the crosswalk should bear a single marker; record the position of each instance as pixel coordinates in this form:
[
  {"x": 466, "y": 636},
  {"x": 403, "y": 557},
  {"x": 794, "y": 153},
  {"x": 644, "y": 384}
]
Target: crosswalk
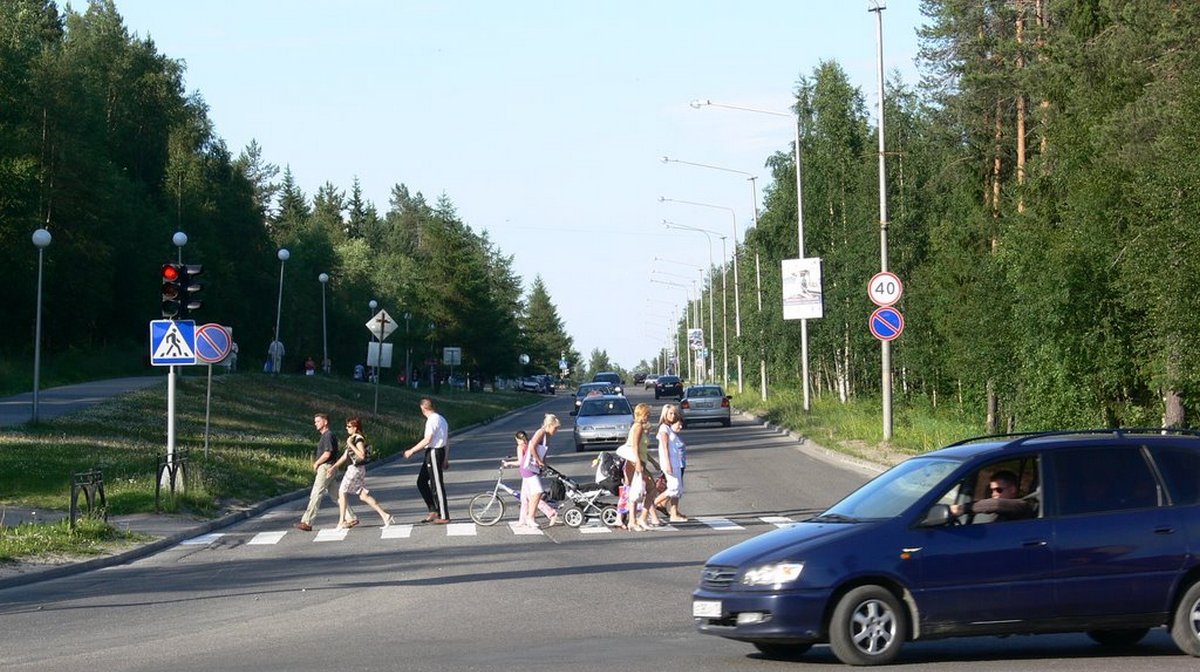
[{"x": 405, "y": 531}]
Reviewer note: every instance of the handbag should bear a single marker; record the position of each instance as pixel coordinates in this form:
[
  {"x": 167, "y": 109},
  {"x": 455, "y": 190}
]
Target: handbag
[
  {"x": 660, "y": 483},
  {"x": 627, "y": 452}
]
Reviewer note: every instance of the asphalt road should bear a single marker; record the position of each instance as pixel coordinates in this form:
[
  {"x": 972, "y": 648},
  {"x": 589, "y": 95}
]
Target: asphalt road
[{"x": 263, "y": 596}]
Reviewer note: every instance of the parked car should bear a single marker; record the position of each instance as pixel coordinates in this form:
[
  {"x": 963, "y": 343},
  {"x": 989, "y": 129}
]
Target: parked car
[
  {"x": 1100, "y": 537},
  {"x": 591, "y": 389},
  {"x": 650, "y": 381},
  {"x": 668, "y": 386},
  {"x": 704, "y": 403},
  {"x": 612, "y": 378},
  {"x": 602, "y": 421}
]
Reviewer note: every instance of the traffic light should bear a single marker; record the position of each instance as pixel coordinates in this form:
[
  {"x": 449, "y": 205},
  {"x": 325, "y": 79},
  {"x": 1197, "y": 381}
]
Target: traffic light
[
  {"x": 191, "y": 287},
  {"x": 180, "y": 290},
  {"x": 172, "y": 291}
]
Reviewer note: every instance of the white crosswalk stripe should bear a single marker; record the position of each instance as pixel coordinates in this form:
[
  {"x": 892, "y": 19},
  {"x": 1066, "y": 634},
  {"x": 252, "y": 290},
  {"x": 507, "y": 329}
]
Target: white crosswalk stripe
[
  {"x": 331, "y": 534},
  {"x": 778, "y": 521},
  {"x": 460, "y": 530},
  {"x": 523, "y": 530},
  {"x": 266, "y": 538},
  {"x": 720, "y": 524},
  {"x": 396, "y": 532},
  {"x": 202, "y": 540}
]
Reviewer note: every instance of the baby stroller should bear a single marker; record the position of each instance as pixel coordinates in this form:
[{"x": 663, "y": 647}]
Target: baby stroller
[{"x": 581, "y": 503}]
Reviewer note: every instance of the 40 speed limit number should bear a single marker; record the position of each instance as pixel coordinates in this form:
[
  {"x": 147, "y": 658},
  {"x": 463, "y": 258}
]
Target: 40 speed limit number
[{"x": 884, "y": 289}]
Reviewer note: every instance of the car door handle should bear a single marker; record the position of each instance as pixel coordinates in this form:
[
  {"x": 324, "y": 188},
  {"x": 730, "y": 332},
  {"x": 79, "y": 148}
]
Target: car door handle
[
  {"x": 1164, "y": 530},
  {"x": 1034, "y": 543}
]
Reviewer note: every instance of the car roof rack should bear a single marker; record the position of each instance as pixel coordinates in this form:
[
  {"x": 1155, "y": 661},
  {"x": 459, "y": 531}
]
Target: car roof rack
[{"x": 1021, "y": 438}]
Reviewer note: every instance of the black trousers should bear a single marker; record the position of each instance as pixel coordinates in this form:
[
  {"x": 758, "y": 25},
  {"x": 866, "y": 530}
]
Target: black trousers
[{"x": 431, "y": 483}]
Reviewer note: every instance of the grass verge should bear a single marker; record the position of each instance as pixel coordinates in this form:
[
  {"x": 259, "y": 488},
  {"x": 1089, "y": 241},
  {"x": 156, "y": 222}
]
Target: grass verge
[
  {"x": 259, "y": 445},
  {"x": 856, "y": 426}
]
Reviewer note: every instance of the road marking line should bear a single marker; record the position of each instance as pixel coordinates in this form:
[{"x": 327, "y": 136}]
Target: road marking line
[
  {"x": 524, "y": 529},
  {"x": 266, "y": 538},
  {"x": 460, "y": 529},
  {"x": 720, "y": 524},
  {"x": 664, "y": 528},
  {"x": 778, "y": 521},
  {"x": 202, "y": 540},
  {"x": 595, "y": 528},
  {"x": 331, "y": 534},
  {"x": 396, "y": 532}
]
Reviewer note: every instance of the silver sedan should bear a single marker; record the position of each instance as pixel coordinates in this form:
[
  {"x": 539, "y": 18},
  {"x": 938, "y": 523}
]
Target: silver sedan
[{"x": 704, "y": 403}]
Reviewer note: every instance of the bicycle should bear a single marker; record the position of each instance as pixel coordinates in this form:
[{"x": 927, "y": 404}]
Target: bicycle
[{"x": 487, "y": 508}]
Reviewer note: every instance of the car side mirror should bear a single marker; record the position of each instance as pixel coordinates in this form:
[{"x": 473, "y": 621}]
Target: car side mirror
[{"x": 938, "y": 516}]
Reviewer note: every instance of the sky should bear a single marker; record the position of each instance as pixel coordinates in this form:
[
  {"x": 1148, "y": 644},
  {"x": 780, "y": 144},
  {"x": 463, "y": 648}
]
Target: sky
[{"x": 545, "y": 122}]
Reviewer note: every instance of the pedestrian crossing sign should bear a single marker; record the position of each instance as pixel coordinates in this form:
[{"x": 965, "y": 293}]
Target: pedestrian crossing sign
[{"x": 172, "y": 342}]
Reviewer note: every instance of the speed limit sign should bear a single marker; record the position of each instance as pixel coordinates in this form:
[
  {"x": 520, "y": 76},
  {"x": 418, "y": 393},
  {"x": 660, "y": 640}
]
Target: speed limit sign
[{"x": 884, "y": 289}]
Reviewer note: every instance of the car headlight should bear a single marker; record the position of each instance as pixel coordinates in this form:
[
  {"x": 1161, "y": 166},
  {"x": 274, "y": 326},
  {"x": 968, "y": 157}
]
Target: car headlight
[{"x": 775, "y": 574}]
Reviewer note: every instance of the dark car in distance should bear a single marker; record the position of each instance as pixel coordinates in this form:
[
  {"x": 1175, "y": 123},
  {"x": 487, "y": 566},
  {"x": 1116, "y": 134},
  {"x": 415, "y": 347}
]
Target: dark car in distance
[
  {"x": 1098, "y": 533},
  {"x": 612, "y": 378},
  {"x": 668, "y": 386}
]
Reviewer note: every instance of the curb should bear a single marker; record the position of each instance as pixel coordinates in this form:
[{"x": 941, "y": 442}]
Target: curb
[
  {"x": 201, "y": 527},
  {"x": 817, "y": 451}
]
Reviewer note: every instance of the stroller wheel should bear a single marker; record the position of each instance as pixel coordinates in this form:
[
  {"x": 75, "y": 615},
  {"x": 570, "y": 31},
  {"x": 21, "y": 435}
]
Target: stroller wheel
[
  {"x": 572, "y": 516},
  {"x": 610, "y": 516}
]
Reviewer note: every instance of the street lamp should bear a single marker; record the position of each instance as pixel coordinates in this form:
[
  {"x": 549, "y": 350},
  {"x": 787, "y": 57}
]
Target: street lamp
[
  {"x": 737, "y": 301},
  {"x": 697, "y": 104},
  {"x": 699, "y": 297},
  {"x": 407, "y": 352},
  {"x": 372, "y": 305},
  {"x": 753, "y": 180},
  {"x": 712, "y": 332},
  {"x": 687, "y": 324},
  {"x": 41, "y": 240},
  {"x": 324, "y": 280},
  {"x": 724, "y": 293},
  {"x": 277, "y": 356}
]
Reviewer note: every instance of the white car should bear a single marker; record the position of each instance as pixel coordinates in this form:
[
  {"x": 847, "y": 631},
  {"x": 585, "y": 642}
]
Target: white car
[{"x": 650, "y": 381}]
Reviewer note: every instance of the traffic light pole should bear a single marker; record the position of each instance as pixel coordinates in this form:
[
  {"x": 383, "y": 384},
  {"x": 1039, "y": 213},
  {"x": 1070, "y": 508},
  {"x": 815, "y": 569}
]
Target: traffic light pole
[{"x": 170, "y": 425}]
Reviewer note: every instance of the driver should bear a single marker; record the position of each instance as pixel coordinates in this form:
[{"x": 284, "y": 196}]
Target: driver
[{"x": 1003, "y": 503}]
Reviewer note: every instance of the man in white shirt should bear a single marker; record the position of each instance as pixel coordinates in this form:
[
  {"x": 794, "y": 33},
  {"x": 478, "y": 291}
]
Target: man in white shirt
[{"x": 430, "y": 481}]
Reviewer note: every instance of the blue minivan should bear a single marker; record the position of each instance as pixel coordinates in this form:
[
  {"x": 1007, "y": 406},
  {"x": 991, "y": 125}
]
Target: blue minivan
[{"x": 1087, "y": 531}]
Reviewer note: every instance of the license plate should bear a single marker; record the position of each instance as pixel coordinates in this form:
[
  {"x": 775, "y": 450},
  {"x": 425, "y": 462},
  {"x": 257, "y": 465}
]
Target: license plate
[{"x": 706, "y": 609}]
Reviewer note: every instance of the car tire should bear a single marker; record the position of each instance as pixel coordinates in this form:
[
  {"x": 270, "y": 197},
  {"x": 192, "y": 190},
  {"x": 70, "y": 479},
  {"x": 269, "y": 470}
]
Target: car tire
[
  {"x": 1185, "y": 624},
  {"x": 656, "y": 396},
  {"x": 579, "y": 447},
  {"x": 727, "y": 422},
  {"x": 868, "y": 627},
  {"x": 1118, "y": 639},
  {"x": 781, "y": 651}
]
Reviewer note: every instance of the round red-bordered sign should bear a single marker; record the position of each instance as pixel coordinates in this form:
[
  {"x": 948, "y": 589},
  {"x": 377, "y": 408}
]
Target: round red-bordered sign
[
  {"x": 886, "y": 323},
  {"x": 885, "y": 289},
  {"x": 213, "y": 343}
]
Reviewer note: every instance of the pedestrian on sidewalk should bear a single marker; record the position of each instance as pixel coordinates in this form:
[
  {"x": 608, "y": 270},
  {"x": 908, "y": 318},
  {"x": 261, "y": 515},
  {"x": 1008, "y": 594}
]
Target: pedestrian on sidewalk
[
  {"x": 354, "y": 482},
  {"x": 431, "y": 482},
  {"x": 323, "y": 461}
]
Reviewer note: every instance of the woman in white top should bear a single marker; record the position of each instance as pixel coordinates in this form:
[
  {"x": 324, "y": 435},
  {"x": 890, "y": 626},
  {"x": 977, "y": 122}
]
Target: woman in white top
[
  {"x": 670, "y": 456},
  {"x": 530, "y": 461}
]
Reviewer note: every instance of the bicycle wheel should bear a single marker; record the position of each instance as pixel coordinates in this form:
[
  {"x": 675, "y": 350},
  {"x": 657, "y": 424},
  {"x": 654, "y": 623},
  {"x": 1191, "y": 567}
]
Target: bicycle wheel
[{"x": 486, "y": 508}]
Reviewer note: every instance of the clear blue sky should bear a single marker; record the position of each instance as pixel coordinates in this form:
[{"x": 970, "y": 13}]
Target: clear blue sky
[{"x": 544, "y": 121}]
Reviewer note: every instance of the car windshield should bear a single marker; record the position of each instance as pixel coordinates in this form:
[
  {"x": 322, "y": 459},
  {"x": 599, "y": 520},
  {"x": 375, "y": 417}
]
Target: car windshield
[
  {"x": 605, "y": 407},
  {"x": 705, "y": 392},
  {"x": 668, "y": 380},
  {"x": 893, "y": 491},
  {"x": 589, "y": 388}
]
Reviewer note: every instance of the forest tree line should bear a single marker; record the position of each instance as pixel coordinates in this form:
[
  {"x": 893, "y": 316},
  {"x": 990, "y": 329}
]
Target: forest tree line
[
  {"x": 1044, "y": 202},
  {"x": 101, "y": 145}
]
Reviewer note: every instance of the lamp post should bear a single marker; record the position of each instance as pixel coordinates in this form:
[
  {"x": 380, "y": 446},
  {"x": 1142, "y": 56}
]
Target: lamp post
[
  {"x": 324, "y": 280},
  {"x": 712, "y": 332},
  {"x": 687, "y": 294},
  {"x": 724, "y": 295},
  {"x": 372, "y": 305},
  {"x": 799, "y": 223},
  {"x": 699, "y": 302},
  {"x": 885, "y": 347},
  {"x": 407, "y": 352},
  {"x": 737, "y": 301},
  {"x": 41, "y": 240},
  {"x": 277, "y": 356},
  {"x": 753, "y": 180}
]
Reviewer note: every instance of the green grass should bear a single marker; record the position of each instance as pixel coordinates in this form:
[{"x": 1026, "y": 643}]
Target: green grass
[
  {"x": 90, "y": 537},
  {"x": 856, "y": 426},
  {"x": 260, "y": 441}
]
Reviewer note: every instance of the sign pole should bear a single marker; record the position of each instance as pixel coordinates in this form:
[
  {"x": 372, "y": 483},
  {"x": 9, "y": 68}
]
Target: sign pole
[
  {"x": 170, "y": 422},
  {"x": 378, "y": 375},
  {"x": 207, "y": 409}
]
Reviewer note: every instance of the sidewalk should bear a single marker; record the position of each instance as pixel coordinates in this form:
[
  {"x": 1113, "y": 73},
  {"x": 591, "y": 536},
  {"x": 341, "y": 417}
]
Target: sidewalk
[{"x": 56, "y": 401}]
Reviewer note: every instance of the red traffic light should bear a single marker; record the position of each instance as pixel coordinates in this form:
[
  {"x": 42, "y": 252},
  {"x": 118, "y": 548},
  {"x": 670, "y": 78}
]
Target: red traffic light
[{"x": 170, "y": 272}]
